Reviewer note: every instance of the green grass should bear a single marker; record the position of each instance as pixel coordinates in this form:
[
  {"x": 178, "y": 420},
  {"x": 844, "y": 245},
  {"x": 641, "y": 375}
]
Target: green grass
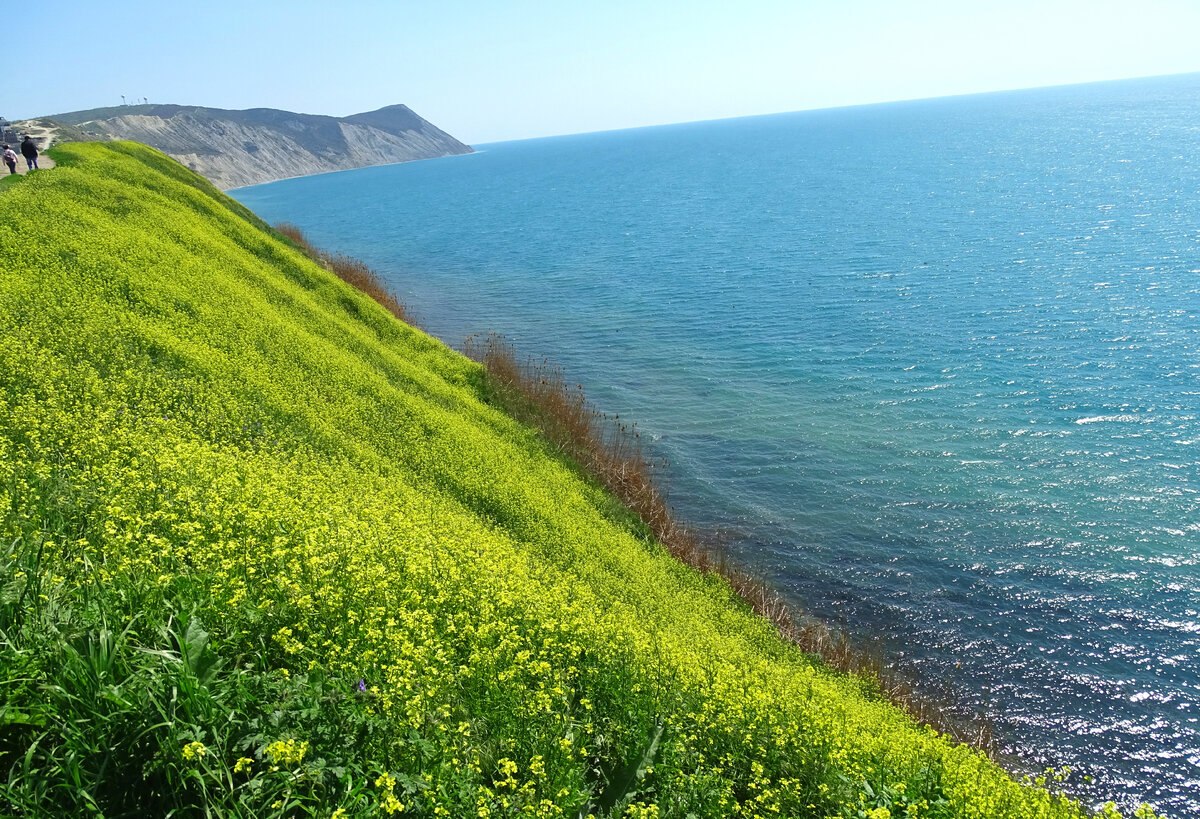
[{"x": 270, "y": 552}]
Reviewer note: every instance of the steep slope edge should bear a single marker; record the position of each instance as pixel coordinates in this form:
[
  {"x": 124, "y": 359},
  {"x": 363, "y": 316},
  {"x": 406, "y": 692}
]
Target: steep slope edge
[{"x": 269, "y": 551}]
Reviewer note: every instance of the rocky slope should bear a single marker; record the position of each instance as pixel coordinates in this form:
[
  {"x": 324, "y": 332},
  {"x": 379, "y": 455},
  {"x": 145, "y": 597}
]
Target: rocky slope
[{"x": 238, "y": 148}]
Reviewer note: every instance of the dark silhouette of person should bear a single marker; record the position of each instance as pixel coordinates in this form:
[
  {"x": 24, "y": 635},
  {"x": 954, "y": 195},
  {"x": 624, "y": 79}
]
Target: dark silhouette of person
[{"x": 30, "y": 152}]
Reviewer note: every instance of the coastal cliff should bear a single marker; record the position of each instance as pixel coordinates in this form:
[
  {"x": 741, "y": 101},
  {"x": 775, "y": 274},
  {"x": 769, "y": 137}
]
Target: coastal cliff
[
  {"x": 238, "y": 148},
  {"x": 267, "y": 545}
]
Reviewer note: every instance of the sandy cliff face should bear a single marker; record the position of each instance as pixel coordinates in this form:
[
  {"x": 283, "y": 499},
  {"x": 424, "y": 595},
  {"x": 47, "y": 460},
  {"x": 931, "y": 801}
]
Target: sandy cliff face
[{"x": 238, "y": 148}]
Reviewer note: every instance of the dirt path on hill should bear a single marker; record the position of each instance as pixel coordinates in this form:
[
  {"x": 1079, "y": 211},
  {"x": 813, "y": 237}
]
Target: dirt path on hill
[
  {"x": 41, "y": 138},
  {"x": 44, "y": 162}
]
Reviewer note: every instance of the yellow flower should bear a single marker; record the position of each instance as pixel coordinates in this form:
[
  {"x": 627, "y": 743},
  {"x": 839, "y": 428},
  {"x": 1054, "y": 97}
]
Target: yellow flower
[
  {"x": 194, "y": 750},
  {"x": 286, "y": 753}
]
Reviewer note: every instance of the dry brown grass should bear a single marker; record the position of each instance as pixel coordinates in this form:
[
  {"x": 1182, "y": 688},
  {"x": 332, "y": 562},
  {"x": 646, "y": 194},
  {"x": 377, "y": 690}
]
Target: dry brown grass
[
  {"x": 537, "y": 393},
  {"x": 353, "y": 272}
]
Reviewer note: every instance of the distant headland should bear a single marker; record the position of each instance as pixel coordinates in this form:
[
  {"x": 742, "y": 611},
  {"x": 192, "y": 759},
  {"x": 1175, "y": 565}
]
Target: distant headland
[{"x": 238, "y": 148}]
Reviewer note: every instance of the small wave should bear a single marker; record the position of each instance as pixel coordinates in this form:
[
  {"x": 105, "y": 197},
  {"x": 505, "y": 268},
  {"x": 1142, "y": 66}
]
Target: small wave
[
  {"x": 1096, "y": 419},
  {"x": 1165, "y": 624}
]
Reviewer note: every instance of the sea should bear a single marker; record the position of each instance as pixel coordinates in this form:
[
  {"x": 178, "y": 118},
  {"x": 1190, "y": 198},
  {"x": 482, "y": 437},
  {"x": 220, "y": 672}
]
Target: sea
[{"x": 931, "y": 368}]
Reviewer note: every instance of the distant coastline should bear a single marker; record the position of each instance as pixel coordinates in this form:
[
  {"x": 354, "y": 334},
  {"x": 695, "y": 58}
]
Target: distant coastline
[
  {"x": 236, "y": 149},
  {"x": 329, "y": 171}
]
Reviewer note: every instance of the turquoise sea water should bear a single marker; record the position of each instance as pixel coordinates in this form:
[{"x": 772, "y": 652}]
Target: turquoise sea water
[{"x": 934, "y": 367}]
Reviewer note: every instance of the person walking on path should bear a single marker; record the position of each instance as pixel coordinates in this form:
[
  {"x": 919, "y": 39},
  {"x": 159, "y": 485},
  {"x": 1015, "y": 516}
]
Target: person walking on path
[
  {"x": 10, "y": 159},
  {"x": 30, "y": 152}
]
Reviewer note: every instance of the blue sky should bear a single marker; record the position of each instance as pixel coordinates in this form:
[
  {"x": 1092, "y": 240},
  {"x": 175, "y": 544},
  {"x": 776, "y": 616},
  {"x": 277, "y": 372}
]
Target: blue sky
[{"x": 491, "y": 71}]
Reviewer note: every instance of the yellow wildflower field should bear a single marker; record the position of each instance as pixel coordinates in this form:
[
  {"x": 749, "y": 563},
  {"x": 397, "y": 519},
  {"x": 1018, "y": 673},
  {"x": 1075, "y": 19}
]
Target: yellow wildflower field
[{"x": 270, "y": 552}]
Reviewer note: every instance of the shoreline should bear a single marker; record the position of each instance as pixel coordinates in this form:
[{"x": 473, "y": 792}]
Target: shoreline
[
  {"x": 472, "y": 152},
  {"x": 542, "y": 383}
]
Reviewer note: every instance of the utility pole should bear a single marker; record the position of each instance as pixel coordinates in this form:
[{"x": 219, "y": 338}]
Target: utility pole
[{"x": 123, "y": 100}]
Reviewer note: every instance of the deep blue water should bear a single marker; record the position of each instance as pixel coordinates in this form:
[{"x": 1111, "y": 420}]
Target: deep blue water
[{"x": 933, "y": 366}]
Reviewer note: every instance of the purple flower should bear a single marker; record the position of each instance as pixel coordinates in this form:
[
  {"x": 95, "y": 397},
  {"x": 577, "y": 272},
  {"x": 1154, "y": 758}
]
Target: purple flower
[{"x": 362, "y": 685}]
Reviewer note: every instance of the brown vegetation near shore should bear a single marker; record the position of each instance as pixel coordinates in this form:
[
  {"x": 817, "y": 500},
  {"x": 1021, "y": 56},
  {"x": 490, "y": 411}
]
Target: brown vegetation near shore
[
  {"x": 353, "y": 272},
  {"x": 537, "y": 394}
]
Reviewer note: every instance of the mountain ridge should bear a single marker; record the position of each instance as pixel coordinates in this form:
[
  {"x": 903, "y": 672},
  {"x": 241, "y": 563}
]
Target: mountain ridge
[{"x": 236, "y": 148}]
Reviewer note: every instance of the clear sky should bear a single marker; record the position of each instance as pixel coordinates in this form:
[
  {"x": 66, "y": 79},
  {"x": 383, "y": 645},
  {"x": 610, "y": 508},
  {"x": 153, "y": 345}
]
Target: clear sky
[{"x": 491, "y": 71}]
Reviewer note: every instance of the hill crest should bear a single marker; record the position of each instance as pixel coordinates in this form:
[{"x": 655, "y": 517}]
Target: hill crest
[{"x": 235, "y": 148}]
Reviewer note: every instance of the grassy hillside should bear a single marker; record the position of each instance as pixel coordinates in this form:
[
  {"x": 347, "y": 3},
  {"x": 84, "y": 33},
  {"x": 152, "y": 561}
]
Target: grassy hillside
[{"x": 269, "y": 552}]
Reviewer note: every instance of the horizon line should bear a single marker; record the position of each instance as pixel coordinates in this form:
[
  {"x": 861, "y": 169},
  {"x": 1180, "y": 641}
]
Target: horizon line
[{"x": 842, "y": 106}]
